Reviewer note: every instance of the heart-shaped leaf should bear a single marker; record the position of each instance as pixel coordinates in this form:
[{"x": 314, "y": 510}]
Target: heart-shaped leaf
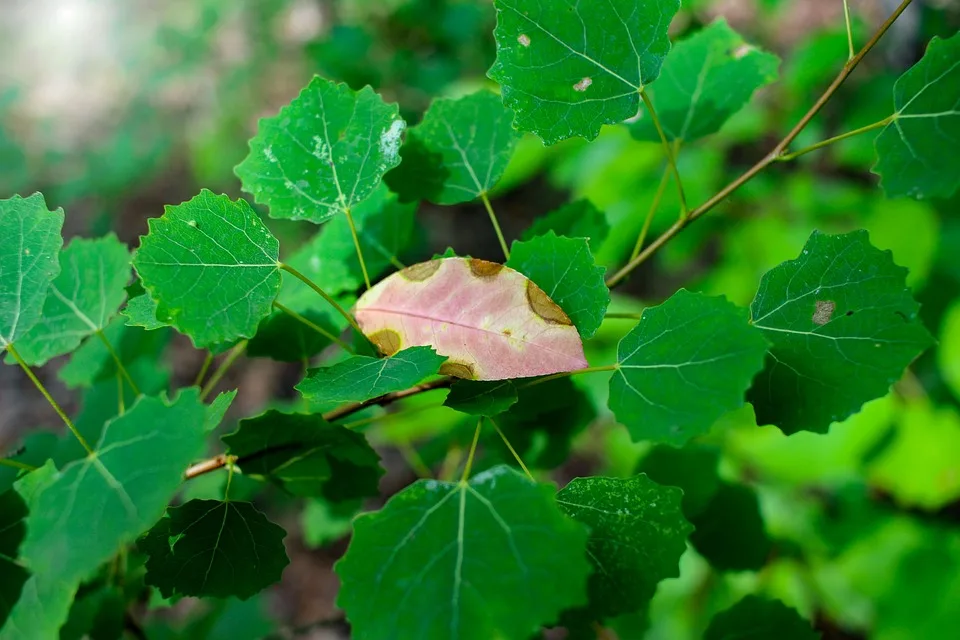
[{"x": 492, "y": 322}]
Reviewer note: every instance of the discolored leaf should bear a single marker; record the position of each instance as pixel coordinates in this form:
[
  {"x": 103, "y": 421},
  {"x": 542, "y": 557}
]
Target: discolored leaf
[
  {"x": 81, "y": 300},
  {"x": 125, "y": 486},
  {"x": 213, "y": 548},
  {"x": 687, "y": 362},
  {"x": 910, "y": 149},
  {"x": 567, "y": 272},
  {"x": 577, "y": 219},
  {"x": 451, "y": 560},
  {"x": 323, "y": 153},
  {"x": 28, "y": 262},
  {"x": 705, "y": 79},
  {"x": 637, "y": 535},
  {"x": 306, "y": 455},
  {"x": 567, "y": 68},
  {"x": 843, "y": 327},
  {"x": 211, "y": 265},
  {"x": 457, "y": 152},
  {"x": 489, "y": 320},
  {"x": 481, "y": 398},
  {"x": 361, "y": 378},
  {"x": 756, "y": 617}
]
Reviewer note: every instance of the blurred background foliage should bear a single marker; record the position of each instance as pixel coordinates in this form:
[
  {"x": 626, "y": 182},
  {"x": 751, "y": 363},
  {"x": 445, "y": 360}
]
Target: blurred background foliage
[{"x": 113, "y": 108}]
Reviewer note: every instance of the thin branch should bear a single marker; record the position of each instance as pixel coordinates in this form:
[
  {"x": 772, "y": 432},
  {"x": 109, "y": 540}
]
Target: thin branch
[
  {"x": 218, "y": 462},
  {"x": 764, "y": 162},
  {"x": 496, "y": 225},
  {"x": 306, "y": 322},
  {"x": 323, "y": 294},
  {"x": 356, "y": 243},
  {"x": 116, "y": 360},
  {"x": 53, "y": 403},
  {"x": 232, "y": 356},
  {"x": 667, "y": 149}
]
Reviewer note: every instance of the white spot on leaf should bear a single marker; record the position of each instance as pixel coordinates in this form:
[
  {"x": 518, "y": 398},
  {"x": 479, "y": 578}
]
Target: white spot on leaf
[
  {"x": 390, "y": 140},
  {"x": 583, "y": 84},
  {"x": 741, "y": 51},
  {"x": 524, "y": 40}
]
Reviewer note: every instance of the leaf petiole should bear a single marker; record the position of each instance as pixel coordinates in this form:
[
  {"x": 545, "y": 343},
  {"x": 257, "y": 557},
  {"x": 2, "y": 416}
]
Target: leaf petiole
[
  {"x": 786, "y": 157},
  {"x": 116, "y": 359},
  {"x": 232, "y": 356},
  {"x": 207, "y": 361},
  {"x": 496, "y": 225},
  {"x": 516, "y": 455},
  {"x": 16, "y": 464},
  {"x": 567, "y": 374},
  {"x": 654, "y": 205},
  {"x": 326, "y": 334},
  {"x": 846, "y": 19},
  {"x": 323, "y": 294},
  {"x": 356, "y": 243},
  {"x": 473, "y": 450},
  {"x": 667, "y": 150},
  {"x": 53, "y": 403}
]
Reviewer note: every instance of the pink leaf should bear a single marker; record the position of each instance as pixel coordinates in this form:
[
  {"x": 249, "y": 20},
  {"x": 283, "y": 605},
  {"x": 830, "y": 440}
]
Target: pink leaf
[{"x": 489, "y": 320}]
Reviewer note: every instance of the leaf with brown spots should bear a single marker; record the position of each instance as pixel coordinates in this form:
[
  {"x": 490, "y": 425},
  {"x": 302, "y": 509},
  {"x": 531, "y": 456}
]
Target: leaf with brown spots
[
  {"x": 489, "y": 320},
  {"x": 843, "y": 326}
]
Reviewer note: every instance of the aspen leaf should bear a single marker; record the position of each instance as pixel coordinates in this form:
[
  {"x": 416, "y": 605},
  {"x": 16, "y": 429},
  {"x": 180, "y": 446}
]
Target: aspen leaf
[{"x": 492, "y": 322}]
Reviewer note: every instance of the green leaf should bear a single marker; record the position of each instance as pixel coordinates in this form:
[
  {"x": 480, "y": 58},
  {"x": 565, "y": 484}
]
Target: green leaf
[
  {"x": 323, "y": 522},
  {"x": 384, "y": 229},
  {"x": 910, "y": 150},
  {"x": 213, "y": 548},
  {"x": 481, "y": 398},
  {"x": 218, "y": 408},
  {"x": 566, "y": 271},
  {"x": 96, "y": 615},
  {"x": 729, "y": 531},
  {"x": 306, "y": 455},
  {"x": 567, "y": 68},
  {"x": 686, "y": 363},
  {"x": 36, "y": 448},
  {"x": 692, "y": 468},
  {"x": 211, "y": 265},
  {"x": 756, "y": 617},
  {"x": 452, "y": 560},
  {"x": 637, "y": 535},
  {"x": 843, "y": 326},
  {"x": 324, "y": 153},
  {"x": 100, "y": 502},
  {"x": 81, "y": 300},
  {"x": 141, "y": 311},
  {"x": 28, "y": 262},
  {"x": 361, "y": 378},
  {"x": 705, "y": 79},
  {"x": 458, "y": 151},
  {"x": 92, "y": 362},
  {"x": 577, "y": 219},
  {"x": 13, "y": 510},
  {"x": 283, "y": 338}
]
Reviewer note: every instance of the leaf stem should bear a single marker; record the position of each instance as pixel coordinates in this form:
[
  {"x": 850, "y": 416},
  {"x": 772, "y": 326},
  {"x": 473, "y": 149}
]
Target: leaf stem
[
  {"x": 516, "y": 455},
  {"x": 203, "y": 369},
  {"x": 116, "y": 359},
  {"x": 654, "y": 205},
  {"x": 846, "y": 18},
  {"x": 356, "y": 243},
  {"x": 567, "y": 374},
  {"x": 16, "y": 464},
  {"x": 786, "y": 157},
  {"x": 412, "y": 458},
  {"x": 121, "y": 405},
  {"x": 622, "y": 316},
  {"x": 323, "y": 294},
  {"x": 214, "y": 380},
  {"x": 473, "y": 450},
  {"x": 496, "y": 225},
  {"x": 356, "y": 424},
  {"x": 667, "y": 149},
  {"x": 53, "y": 403},
  {"x": 326, "y": 334},
  {"x": 767, "y": 160}
]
